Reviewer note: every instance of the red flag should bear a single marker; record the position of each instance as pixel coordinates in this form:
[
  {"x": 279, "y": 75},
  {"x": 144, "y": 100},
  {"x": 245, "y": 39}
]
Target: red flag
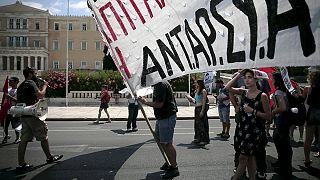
[
  {"x": 5, "y": 104},
  {"x": 269, "y": 71}
]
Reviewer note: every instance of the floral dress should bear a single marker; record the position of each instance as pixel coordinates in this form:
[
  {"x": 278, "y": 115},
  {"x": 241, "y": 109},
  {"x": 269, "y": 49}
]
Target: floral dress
[{"x": 250, "y": 129}]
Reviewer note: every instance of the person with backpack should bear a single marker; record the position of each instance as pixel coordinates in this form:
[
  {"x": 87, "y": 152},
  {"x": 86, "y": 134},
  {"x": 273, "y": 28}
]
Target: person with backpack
[
  {"x": 105, "y": 98},
  {"x": 281, "y": 137},
  {"x": 254, "y": 111},
  {"x": 313, "y": 116}
]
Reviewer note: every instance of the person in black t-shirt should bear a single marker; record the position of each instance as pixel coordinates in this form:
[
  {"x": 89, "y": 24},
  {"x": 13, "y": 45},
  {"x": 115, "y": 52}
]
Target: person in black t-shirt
[
  {"x": 165, "y": 109},
  {"x": 29, "y": 93}
]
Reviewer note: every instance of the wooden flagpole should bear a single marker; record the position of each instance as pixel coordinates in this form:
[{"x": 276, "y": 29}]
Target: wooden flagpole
[{"x": 140, "y": 104}]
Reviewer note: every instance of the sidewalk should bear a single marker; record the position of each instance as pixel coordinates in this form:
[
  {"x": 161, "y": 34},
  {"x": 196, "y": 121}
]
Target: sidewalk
[{"x": 119, "y": 113}]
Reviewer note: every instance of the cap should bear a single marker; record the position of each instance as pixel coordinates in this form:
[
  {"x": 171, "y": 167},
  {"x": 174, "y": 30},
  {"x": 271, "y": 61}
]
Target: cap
[
  {"x": 14, "y": 79},
  {"x": 257, "y": 73}
]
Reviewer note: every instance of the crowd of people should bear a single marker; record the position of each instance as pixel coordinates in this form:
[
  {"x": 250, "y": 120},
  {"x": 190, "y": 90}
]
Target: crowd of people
[{"x": 248, "y": 94}]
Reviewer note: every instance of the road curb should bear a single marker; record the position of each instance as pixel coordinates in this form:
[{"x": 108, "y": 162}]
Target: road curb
[{"x": 123, "y": 119}]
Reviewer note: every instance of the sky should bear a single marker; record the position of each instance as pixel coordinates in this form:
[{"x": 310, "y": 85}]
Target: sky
[{"x": 55, "y": 7}]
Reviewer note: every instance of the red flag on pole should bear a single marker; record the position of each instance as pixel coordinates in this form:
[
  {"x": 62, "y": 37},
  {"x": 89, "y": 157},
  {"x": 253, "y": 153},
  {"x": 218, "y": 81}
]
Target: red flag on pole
[
  {"x": 5, "y": 104},
  {"x": 269, "y": 71}
]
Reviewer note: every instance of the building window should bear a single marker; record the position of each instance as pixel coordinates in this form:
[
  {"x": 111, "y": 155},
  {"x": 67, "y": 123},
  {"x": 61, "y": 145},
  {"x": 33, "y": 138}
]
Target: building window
[
  {"x": 10, "y": 23},
  {"x": 24, "y": 24},
  {"x": 84, "y": 45},
  {"x": 55, "y": 64},
  {"x": 11, "y": 39},
  {"x": 55, "y": 45},
  {"x": 84, "y": 26},
  {"x": 37, "y": 25},
  {"x": 70, "y": 26},
  {"x": 17, "y": 41},
  {"x": 18, "y": 24},
  {"x": 83, "y": 65},
  {"x": 98, "y": 65},
  {"x": 37, "y": 43},
  {"x": 70, "y": 45},
  {"x": 70, "y": 65},
  {"x": 56, "y": 26},
  {"x": 24, "y": 42},
  {"x": 98, "y": 45}
]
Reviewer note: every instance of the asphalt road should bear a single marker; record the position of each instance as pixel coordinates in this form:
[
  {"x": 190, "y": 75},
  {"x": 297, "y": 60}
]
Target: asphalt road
[{"x": 105, "y": 151}]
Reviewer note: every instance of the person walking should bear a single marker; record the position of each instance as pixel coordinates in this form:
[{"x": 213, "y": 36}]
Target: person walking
[
  {"x": 313, "y": 116},
  {"x": 133, "y": 109},
  {"x": 29, "y": 93},
  {"x": 254, "y": 111},
  {"x": 15, "y": 122},
  {"x": 223, "y": 108},
  {"x": 281, "y": 137},
  {"x": 201, "y": 124},
  {"x": 105, "y": 98},
  {"x": 165, "y": 109}
]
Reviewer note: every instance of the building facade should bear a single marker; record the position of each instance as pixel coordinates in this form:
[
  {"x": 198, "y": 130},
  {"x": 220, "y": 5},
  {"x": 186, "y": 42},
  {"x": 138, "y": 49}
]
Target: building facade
[{"x": 32, "y": 37}]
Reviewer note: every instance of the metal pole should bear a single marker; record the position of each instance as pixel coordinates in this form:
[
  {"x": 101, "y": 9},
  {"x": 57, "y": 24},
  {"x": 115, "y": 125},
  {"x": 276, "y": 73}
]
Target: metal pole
[
  {"x": 67, "y": 59},
  {"x": 189, "y": 88}
]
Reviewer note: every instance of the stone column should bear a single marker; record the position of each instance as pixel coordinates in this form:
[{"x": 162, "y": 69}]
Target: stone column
[
  {"x": 42, "y": 63},
  {"x": 29, "y": 61},
  {"x": 15, "y": 63},
  {"x": 36, "y": 62}
]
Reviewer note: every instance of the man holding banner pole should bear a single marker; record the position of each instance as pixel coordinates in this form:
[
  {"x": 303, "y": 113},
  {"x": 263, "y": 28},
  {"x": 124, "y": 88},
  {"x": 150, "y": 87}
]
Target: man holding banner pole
[{"x": 165, "y": 109}]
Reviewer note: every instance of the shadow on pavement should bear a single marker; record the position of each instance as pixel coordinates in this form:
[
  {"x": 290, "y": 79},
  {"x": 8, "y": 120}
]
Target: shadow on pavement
[
  {"x": 11, "y": 173},
  {"x": 218, "y": 138},
  {"x": 153, "y": 176},
  {"x": 315, "y": 172},
  {"x": 118, "y": 131},
  {"x": 98, "y": 165}
]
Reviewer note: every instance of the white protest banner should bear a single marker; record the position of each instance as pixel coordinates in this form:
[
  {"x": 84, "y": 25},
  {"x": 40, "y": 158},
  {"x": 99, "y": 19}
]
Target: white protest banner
[
  {"x": 152, "y": 40},
  {"x": 286, "y": 79}
]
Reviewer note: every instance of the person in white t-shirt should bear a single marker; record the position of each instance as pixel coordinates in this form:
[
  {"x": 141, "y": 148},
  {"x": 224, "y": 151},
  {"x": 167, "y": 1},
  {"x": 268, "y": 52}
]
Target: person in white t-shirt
[{"x": 15, "y": 122}]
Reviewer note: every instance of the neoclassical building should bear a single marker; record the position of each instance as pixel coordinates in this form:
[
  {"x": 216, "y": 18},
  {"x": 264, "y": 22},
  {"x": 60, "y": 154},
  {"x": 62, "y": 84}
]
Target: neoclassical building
[{"x": 35, "y": 38}]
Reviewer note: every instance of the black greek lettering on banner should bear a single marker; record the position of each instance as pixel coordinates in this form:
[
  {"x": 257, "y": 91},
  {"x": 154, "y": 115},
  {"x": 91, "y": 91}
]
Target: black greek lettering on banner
[
  {"x": 174, "y": 55},
  {"x": 174, "y": 32},
  {"x": 298, "y": 16},
  {"x": 247, "y": 7},
  {"x": 198, "y": 48},
  {"x": 232, "y": 57},
  {"x": 146, "y": 53},
  {"x": 202, "y": 13}
]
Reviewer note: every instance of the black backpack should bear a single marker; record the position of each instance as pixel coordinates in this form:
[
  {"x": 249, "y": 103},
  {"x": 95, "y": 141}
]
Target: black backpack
[{"x": 296, "y": 118}]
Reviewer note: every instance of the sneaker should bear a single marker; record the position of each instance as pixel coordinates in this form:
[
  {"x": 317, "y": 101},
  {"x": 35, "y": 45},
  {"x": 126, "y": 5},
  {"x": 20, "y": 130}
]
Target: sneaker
[
  {"x": 202, "y": 143},
  {"x": 17, "y": 141},
  {"x": 5, "y": 139},
  {"x": 262, "y": 175},
  {"x": 128, "y": 130},
  {"x": 196, "y": 141},
  {"x": 171, "y": 172},
  {"x": 24, "y": 167},
  {"x": 54, "y": 158},
  {"x": 135, "y": 129},
  {"x": 164, "y": 167},
  {"x": 220, "y": 134},
  {"x": 225, "y": 136},
  {"x": 95, "y": 122}
]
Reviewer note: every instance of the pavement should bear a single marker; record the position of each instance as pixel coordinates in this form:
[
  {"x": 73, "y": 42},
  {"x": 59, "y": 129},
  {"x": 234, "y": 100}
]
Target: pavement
[{"x": 119, "y": 113}]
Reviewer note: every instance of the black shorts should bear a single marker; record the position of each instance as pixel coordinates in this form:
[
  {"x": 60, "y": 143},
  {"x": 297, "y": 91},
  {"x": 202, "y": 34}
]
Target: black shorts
[{"x": 104, "y": 105}]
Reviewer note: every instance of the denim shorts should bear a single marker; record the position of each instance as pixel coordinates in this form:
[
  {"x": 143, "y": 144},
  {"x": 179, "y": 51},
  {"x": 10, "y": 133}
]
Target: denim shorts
[
  {"x": 165, "y": 129},
  {"x": 224, "y": 114}
]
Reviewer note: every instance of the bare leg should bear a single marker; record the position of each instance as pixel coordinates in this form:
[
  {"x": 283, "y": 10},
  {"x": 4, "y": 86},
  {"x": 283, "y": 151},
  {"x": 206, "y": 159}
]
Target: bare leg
[
  {"x": 171, "y": 153},
  {"x": 243, "y": 161},
  {"x": 45, "y": 148},
  {"x": 291, "y": 132},
  {"x": 307, "y": 143},
  {"x": 21, "y": 152},
  {"x": 301, "y": 129},
  {"x": 252, "y": 168},
  {"x": 99, "y": 114},
  {"x": 106, "y": 111}
]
